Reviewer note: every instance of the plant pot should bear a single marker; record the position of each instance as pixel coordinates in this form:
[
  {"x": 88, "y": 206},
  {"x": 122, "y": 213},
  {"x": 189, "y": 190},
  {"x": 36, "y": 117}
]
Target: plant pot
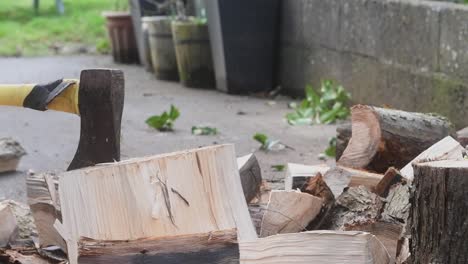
[
  {"x": 244, "y": 34},
  {"x": 161, "y": 45},
  {"x": 139, "y": 9},
  {"x": 145, "y": 47},
  {"x": 122, "y": 36},
  {"x": 193, "y": 54}
]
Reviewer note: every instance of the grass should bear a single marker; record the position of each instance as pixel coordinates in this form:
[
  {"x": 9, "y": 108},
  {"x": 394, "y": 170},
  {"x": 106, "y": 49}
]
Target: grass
[{"x": 23, "y": 32}]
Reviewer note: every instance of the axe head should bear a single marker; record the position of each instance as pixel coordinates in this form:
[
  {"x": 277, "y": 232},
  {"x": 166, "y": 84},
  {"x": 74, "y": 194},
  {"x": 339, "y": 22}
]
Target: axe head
[{"x": 100, "y": 101}]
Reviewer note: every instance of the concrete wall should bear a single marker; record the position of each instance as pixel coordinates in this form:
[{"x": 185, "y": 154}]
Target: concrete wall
[{"x": 407, "y": 54}]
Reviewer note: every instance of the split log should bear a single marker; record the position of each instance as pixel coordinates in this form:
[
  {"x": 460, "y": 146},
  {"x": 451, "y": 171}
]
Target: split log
[
  {"x": 10, "y": 154},
  {"x": 8, "y": 224},
  {"x": 188, "y": 192},
  {"x": 336, "y": 178},
  {"x": 298, "y": 174},
  {"x": 396, "y": 211},
  {"x": 340, "y": 177},
  {"x": 251, "y": 176},
  {"x": 218, "y": 247},
  {"x": 325, "y": 247},
  {"x": 439, "y": 212},
  {"x": 264, "y": 194},
  {"x": 16, "y": 257},
  {"x": 383, "y": 138},
  {"x": 392, "y": 176},
  {"x": 403, "y": 246},
  {"x": 318, "y": 187},
  {"x": 446, "y": 149},
  {"x": 289, "y": 212},
  {"x": 462, "y": 137},
  {"x": 356, "y": 206},
  {"x": 387, "y": 233},
  {"x": 343, "y": 134},
  {"x": 42, "y": 190},
  {"x": 16, "y": 219}
]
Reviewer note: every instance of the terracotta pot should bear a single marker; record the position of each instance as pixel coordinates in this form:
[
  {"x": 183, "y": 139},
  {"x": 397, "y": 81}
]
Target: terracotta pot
[{"x": 122, "y": 36}]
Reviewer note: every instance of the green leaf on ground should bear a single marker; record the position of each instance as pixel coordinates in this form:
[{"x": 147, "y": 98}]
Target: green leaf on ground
[
  {"x": 165, "y": 121},
  {"x": 204, "y": 130},
  {"x": 331, "y": 149},
  {"x": 278, "y": 167},
  {"x": 266, "y": 143}
]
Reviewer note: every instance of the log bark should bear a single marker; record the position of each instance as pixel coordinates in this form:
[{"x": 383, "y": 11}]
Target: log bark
[
  {"x": 343, "y": 134},
  {"x": 397, "y": 204},
  {"x": 356, "y": 206},
  {"x": 155, "y": 196},
  {"x": 251, "y": 176},
  {"x": 446, "y": 149},
  {"x": 289, "y": 212},
  {"x": 10, "y": 154},
  {"x": 325, "y": 247},
  {"x": 218, "y": 247},
  {"x": 383, "y": 138},
  {"x": 439, "y": 213}
]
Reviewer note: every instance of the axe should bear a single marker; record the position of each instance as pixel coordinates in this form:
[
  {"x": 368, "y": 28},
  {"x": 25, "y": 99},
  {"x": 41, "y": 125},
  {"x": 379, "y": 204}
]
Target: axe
[{"x": 98, "y": 98}]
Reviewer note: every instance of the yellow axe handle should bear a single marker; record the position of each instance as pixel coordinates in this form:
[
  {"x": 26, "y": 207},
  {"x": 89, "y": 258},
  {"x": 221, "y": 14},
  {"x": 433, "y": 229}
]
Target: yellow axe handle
[{"x": 66, "y": 101}]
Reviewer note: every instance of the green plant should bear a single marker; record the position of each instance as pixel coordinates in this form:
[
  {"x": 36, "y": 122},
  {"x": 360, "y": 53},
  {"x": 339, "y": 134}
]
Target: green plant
[
  {"x": 165, "y": 121},
  {"x": 26, "y": 33},
  {"x": 278, "y": 167},
  {"x": 331, "y": 149},
  {"x": 103, "y": 46},
  {"x": 120, "y": 5},
  {"x": 266, "y": 143},
  {"x": 322, "y": 107},
  {"x": 204, "y": 130}
]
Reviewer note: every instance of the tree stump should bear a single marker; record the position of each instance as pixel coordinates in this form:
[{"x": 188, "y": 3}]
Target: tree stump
[{"x": 439, "y": 213}]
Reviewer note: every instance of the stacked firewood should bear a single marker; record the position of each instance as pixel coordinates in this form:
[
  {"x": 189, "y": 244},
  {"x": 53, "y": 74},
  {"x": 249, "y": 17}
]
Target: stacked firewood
[
  {"x": 396, "y": 195},
  {"x": 400, "y": 176}
]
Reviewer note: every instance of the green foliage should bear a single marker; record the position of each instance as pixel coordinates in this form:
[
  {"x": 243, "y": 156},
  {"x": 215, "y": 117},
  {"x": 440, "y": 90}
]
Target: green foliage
[
  {"x": 331, "y": 149},
  {"x": 266, "y": 143},
  {"x": 323, "y": 107},
  {"x": 204, "y": 130},
  {"x": 200, "y": 20},
  {"x": 165, "y": 121},
  {"x": 25, "y": 33},
  {"x": 103, "y": 46},
  {"x": 120, "y": 5},
  {"x": 278, "y": 167}
]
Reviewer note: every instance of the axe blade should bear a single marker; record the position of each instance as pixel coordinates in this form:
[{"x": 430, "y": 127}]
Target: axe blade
[{"x": 101, "y": 101}]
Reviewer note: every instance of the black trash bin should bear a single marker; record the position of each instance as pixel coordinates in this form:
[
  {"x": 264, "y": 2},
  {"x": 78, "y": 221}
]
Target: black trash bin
[{"x": 244, "y": 36}]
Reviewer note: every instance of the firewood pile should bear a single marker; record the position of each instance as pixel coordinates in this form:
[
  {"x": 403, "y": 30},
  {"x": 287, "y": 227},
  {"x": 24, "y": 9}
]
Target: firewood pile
[{"x": 397, "y": 194}]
